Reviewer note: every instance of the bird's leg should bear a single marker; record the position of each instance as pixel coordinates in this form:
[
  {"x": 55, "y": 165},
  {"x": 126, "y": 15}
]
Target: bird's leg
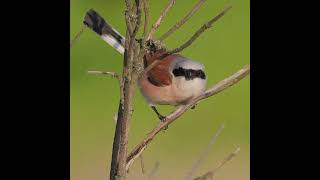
[{"x": 161, "y": 118}]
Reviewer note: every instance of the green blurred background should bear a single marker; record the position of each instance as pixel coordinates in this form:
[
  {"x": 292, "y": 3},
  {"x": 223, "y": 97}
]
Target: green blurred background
[{"x": 94, "y": 99}]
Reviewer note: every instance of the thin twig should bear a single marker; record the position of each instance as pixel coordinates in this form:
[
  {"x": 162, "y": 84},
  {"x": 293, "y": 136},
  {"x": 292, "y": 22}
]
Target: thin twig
[
  {"x": 146, "y": 19},
  {"x": 148, "y": 68},
  {"x": 204, "y": 153},
  {"x": 153, "y": 171},
  {"x": 206, "y": 176},
  {"x": 220, "y": 86},
  {"x": 142, "y": 165},
  {"x": 75, "y": 39},
  {"x": 197, "y": 34},
  {"x": 156, "y": 25},
  {"x": 210, "y": 174},
  {"x": 113, "y": 74},
  {"x": 183, "y": 20}
]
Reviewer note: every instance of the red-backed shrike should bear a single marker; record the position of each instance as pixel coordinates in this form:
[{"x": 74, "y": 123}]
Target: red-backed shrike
[{"x": 175, "y": 80}]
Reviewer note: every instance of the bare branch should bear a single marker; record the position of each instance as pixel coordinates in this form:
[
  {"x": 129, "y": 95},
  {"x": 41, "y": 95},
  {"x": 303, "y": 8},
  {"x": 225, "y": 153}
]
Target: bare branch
[
  {"x": 197, "y": 34},
  {"x": 129, "y": 16},
  {"x": 220, "y": 86},
  {"x": 120, "y": 145},
  {"x": 128, "y": 23},
  {"x": 146, "y": 70},
  {"x": 153, "y": 171},
  {"x": 75, "y": 39},
  {"x": 113, "y": 74},
  {"x": 210, "y": 174},
  {"x": 128, "y": 4},
  {"x": 137, "y": 23},
  {"x": 146, "y": 19},
  {"x": 204, "y": 153},
  {"x": 156, "y": 25},
  {"x": 183, "y": 20},
  {"x": 138, "y": 18},
  {"x": 206, "y": 176},
  {"x": 227, "y": 159},
  {"x": 142, "y": 165}
]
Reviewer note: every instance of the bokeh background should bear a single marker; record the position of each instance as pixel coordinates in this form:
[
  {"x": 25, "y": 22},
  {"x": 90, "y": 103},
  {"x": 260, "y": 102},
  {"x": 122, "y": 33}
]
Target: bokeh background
[{"x": 94, "y": 98}]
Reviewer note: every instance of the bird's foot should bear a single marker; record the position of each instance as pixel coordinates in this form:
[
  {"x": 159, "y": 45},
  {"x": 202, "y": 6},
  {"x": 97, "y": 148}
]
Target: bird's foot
[{"x": 163, "y": 120}]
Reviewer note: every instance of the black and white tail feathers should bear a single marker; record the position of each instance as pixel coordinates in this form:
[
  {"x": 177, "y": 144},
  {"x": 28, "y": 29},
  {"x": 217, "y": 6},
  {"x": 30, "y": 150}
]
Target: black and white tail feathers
[{"x": 94, "y": 21}]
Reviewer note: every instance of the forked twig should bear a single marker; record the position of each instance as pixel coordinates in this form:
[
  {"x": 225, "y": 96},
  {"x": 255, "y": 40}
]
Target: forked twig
[
  {"x": 153, "y": 171},
  {"x": 114, "y": 75},
  {"x": 156, "y": 25},
  {"x": 183, "y": 20},
  {"x": 197, "y": 34},
  {"x": 204, "y": 153},
  {"x": 210, "y": 174}
]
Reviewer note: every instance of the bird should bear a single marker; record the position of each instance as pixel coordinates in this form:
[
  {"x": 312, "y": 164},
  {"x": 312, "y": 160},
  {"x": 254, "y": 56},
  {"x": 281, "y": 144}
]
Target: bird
[{"x": 175, "y": 80}]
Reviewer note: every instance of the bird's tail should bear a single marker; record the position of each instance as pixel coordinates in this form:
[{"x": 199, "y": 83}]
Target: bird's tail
[{"x": 94, "y": 21}]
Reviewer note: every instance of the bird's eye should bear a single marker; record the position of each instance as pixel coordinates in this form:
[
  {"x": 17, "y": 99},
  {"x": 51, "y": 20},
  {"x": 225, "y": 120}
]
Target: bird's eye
[{"x": 202, "y": 75}]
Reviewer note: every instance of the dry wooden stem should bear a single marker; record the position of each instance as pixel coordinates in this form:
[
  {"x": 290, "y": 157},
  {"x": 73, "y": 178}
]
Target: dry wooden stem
[
  {"x": 197, "y": 34},
  {"x": 146, "y": 20},
  {"x": 210, "y": 174},
  {"x": 75, "y": 39},
  {"x": 113, "y": 74},
  {"x": 142, "y": 165},
  {"x": 153, "y": 171},
  {"x": 220, "y": 86},
  {"x": 120, "y": 144},
  {"x": 204, "y": 153},
  {"x": 156, "y": 25},
  {"x": 183, "y": 20}
]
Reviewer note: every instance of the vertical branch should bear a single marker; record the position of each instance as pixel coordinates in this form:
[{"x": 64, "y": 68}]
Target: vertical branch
[
  {"x": 116, "y": 145},
  {"x": 120, "y": 144},
  {"x": 146, "y": 19}
]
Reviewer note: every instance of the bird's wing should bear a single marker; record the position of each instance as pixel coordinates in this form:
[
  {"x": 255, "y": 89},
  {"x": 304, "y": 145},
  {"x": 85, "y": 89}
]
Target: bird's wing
[{"x": 160, "y": 74}]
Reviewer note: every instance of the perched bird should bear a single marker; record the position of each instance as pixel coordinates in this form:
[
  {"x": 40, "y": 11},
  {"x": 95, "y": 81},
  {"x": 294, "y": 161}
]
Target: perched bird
[{"x": 175, "y": 80}]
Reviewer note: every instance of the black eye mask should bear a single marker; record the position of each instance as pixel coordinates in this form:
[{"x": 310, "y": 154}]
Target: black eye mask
[{"x": 189, "y": 74}]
